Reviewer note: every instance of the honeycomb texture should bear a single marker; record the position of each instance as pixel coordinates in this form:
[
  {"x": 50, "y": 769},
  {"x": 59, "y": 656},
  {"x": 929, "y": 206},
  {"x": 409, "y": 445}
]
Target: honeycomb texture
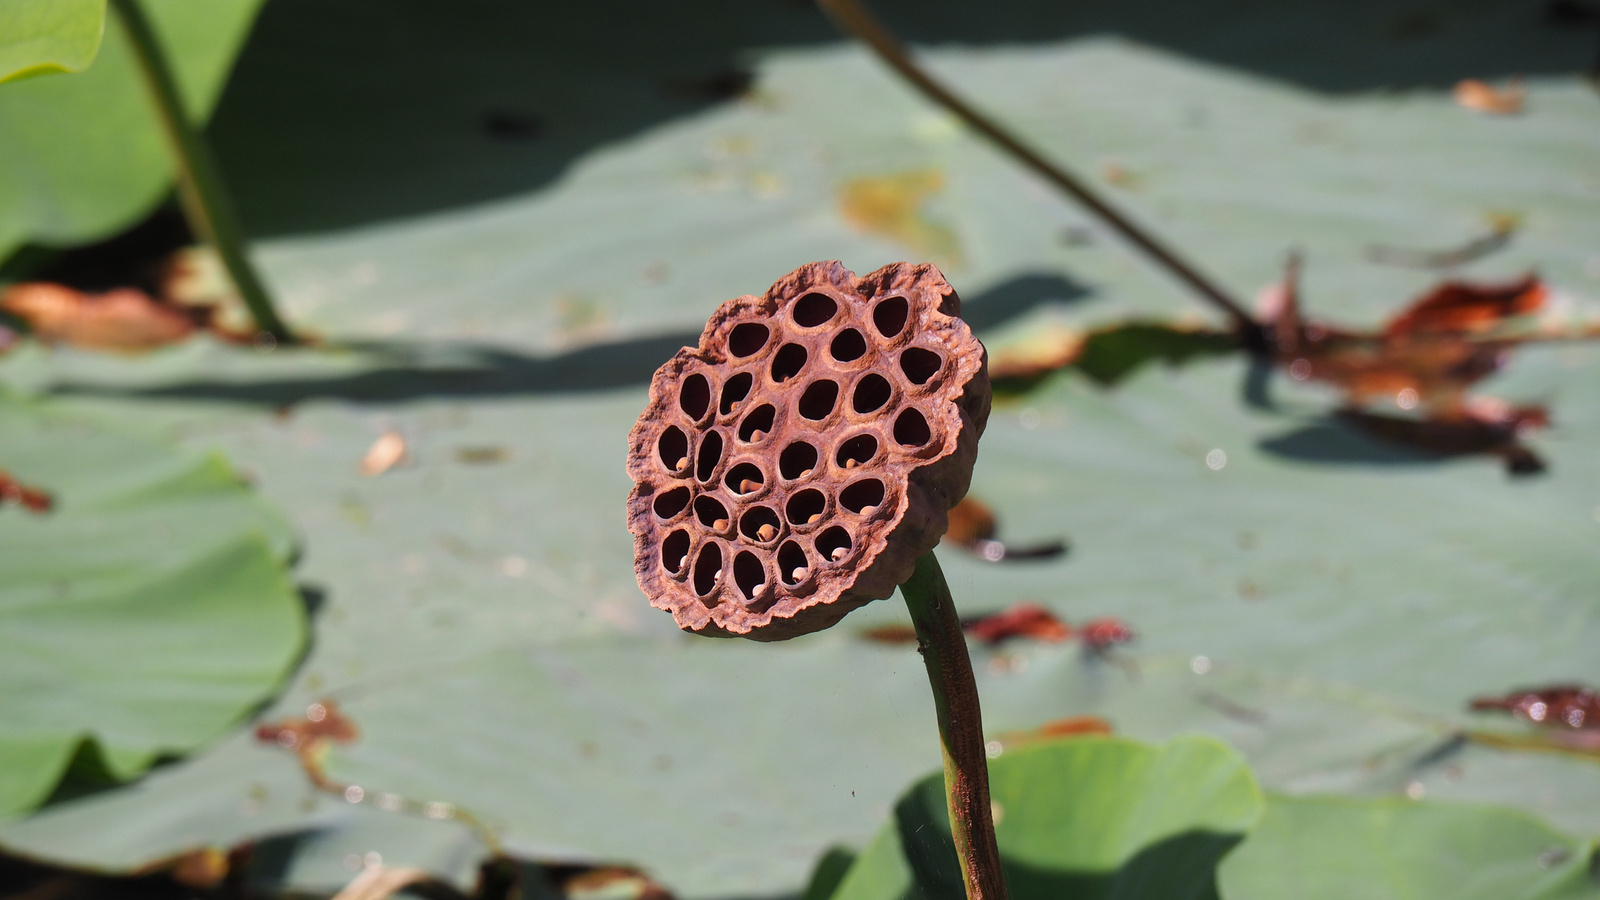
[{"x": 793, "y": 466}]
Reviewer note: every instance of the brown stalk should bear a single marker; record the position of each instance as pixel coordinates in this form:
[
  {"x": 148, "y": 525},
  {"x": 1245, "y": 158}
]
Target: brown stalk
[
  {"x": 853, "y": 18},
  {"x": 955, "y": 699}
]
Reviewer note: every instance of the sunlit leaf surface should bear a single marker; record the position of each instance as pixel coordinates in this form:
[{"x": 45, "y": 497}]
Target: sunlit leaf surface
[
  {"x": 1396, "y": 849},
  {"x": 1323, "y": 602},
  {"x": 1089, "y": 817},
  {"x": 141, "y": 616},
  {"x": 40, "y": 36}
]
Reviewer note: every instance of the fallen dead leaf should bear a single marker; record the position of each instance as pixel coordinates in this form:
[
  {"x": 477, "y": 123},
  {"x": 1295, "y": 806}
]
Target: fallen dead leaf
[
  {"x": 1423, "y": 362},
  {"x": 1569, "y": 706},
  {"x": 890, "y": 634},
  {"x": 1023, "y": 620},
  {"x": 388, "y": 451},
  {"x": 380, "y": 883},
  {"x": 126, "y": 320},
  {"x": 309, "y": 736},
  {"x": 1069, "y": 727},
  {"x": 1104, "y": 633},
  {"x": 1481, "y": 97},
  {"x": 606, "y": 881},
  {"x": 973, "y": 526},
  {"x": 29, "y": 498}
]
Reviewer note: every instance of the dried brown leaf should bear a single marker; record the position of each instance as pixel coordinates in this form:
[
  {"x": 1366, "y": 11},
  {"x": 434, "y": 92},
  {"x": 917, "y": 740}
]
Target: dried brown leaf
[
  {"x": 30, "y": 498},
  {"x": 1568, "y": 706},
  {"x": 1482, "y": 97},
  {"x": 388, "y": 451},
  {"x": 126, "y": 320},
  {"x": 1023, "y": 620}
]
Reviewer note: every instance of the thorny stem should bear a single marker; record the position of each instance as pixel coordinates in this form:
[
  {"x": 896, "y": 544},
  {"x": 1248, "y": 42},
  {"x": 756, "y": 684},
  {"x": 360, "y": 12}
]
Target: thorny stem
[
  {"x": 955, "y": 700},
  {"x": 854, "y": 19},
  {"x": 205, "y": 199}
]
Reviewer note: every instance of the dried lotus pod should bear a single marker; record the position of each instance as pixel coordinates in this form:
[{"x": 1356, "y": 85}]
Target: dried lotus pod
[{"x": 794, "y": 465}]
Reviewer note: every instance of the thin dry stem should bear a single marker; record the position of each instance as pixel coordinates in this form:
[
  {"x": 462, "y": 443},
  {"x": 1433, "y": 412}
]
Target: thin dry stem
[{"x": 854, "y": 19}]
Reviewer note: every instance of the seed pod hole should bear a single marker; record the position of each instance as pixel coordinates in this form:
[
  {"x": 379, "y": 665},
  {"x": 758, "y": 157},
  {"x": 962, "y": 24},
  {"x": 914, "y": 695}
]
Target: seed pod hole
[
  {"x": 890, "y": 316},
  {"x": 747, "y": 339},
  {"x": 758, "y": 424},
  {"x": 788, "y": 362},
  {"x": 792, "y": 564},
  {"x": 749, "y": 574},
  {"x": 744, "y": 478},
  {"x": 711, "y": 513},
  {"x": 911, "y": 429},
  {"x": 818, "y": 400},
  {"x": 797, "y": 459},
  {"x": 872, "y": 392},
  {"x": 833, "y": 545},
  {"x": 669, "y": 504},
  {"x": 848, "y": 346},
  {"x": 760, "y": 524},
  {"x": 919, "y": 364},
  {"x": 805, "y": 507},
  {"x": 694, "y": 398},
  {"x": 737, "y": 388},
  {"x": 813, "y": 310},
  {"x": 674, "y": 449},
  {"x": 675, "y": 551},
  {"x": 862, "y": 494},
  {"x": 857, "y": 451},
  {"x": 708, "y": 570},
  {"x": 710, "y": 455}
]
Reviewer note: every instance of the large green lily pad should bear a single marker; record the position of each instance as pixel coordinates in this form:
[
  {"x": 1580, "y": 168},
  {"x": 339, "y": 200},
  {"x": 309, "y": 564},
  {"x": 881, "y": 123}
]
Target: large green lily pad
[
  {"x": 482, "y": 627},
  {"x": 1089, "y": 818},
  {"x": 1396, "y": 849},
  {"x": 142, "y": 616},
  {"x": 84, "y": 156},
  {"x": 39, "y": 36}
]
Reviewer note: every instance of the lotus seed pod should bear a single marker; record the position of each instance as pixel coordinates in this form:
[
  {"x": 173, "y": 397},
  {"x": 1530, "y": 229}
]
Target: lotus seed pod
[{"x": 793, "y": 466}]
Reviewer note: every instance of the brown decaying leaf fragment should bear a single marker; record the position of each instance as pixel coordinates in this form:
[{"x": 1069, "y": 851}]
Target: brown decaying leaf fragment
[
  {"x": 1568, "y": 706},
  {"x": 1104, "y": 633},
  {"x": 126, "y": 320},
  {"x": 973, "y": 527},
  {"x": 1030, "y": 621},
  {"x": 1056, "y": 729},
  {"x": 1423, "y": 361},
  {"x": 1482, "y": 97},
  {"x": 309, "y": 736},
  {"x": 388, "y": 451},
  {"x": 29, "y": 498},
  {"x": 608, "y": 881},
  {"x": 841, "y": 411},
  {"x": 1022, "y": 620}
]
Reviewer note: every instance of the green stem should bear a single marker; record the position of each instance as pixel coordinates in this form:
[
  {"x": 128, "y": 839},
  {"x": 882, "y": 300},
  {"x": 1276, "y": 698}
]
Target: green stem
[
  {"x": 955, "y": 700},
  {"x": 206, "y": 203}
]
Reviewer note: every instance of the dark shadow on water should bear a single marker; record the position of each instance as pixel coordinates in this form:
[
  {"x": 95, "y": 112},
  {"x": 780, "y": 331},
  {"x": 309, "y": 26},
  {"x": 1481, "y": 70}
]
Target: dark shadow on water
[
  {"x": 1018, "y": 296},
  {"x": 401, "y": 372},
  {"x": 339, "y": 114},
  {"x": 411, "y": 371},
  {"x": 1331, "y": 442}
]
